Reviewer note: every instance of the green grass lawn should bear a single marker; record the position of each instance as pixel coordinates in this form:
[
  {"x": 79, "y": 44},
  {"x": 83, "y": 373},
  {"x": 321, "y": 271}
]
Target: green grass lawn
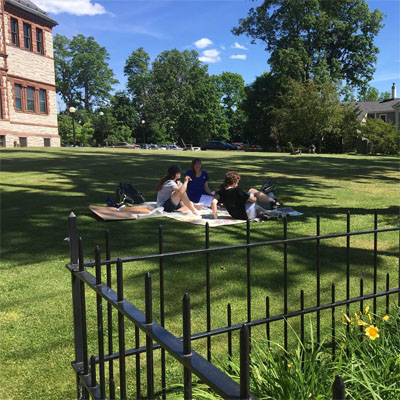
[{"x": 40, "y": 187}]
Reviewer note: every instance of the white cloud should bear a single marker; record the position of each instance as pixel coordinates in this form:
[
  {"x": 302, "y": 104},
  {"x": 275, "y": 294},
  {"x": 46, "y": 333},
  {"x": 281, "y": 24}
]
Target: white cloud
[
  {"x": 75, "y": 7},
  {"x": 210, "y": 56},
  {"x": 202, "y": 43},
  {"x": 239, "y": 56},
  {"x": 236, "y": 45},
  {"x": 223, "y": 47}
]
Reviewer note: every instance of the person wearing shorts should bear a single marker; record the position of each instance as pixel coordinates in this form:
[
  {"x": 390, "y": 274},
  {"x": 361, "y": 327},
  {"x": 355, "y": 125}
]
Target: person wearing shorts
[
  {"x": 171, "y": 192},
  {"x": 239, "y": 204}
]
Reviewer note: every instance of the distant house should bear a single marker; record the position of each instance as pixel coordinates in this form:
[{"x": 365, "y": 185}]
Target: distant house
[
  {"x": 387, "y": 110},
  {"x": 28, "y": 110}
]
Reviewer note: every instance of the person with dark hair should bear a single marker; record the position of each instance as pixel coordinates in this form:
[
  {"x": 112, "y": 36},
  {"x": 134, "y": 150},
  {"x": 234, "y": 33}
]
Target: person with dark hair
[
  {"x": 171, "y": 192},
  {"x": 198, "y": 184},
  {"x": 240, "y": 204}
]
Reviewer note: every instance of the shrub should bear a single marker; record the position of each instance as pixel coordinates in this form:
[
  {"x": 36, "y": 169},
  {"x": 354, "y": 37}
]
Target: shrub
[{"x": 384, "y": 136}]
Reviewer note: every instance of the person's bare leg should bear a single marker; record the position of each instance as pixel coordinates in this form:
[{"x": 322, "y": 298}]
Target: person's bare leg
[
  {"x": 188, "y": 203},
  {"x": 176, "y": 198},
  {"x": 261, "y": 196},
  {"x": 214, "y": 203}
]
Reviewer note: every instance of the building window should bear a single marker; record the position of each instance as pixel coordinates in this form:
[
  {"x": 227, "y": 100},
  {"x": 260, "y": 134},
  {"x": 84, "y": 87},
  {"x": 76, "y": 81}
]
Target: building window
[
  {"x": 18, "y": 97},
  {"x": 2, "y": 141},
  {"x": 383, "y": 117},
  {"x": 42, "y": 101},
  {"x": 46, "y": 142},
  {"x": 27, "y": 36},
  {"x": 39, "y": 41},
  {"x": 30, "y": 98},
  {"x": 14, "y": 32},
  {"x": 23, "y": 142}
]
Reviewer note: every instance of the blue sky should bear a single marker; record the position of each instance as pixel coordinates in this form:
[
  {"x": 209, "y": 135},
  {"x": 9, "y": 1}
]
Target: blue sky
[{"x": 205, "y": 26}]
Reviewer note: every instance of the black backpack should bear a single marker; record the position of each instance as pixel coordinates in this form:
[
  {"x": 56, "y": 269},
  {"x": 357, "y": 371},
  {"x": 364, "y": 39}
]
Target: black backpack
[{"x": 126, "y": 193}]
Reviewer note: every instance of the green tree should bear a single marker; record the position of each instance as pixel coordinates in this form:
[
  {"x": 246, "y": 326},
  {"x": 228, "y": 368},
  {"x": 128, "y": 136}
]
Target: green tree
[
  {"x": 384, "y": 135},
  {"x": 183, "y": 100},
  {"x": 311, "y": 113},
  {"x": 65, "y": 74},
  {"x": 137, "y": 70},
  {"x": 316, "y": 38},
  {"x": 83, "y": 77},
  {"x": 385, "y": 96},
  {"x": 369, "y": 94},
  {"x": 261, "y": 95},
  {"x": 231, "y": 91},
  {"x": 65, "y": 129},
  {"x": 124, "y": 111}
]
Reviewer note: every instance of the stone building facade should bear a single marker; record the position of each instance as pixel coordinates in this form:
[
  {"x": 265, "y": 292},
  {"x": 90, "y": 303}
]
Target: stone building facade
[{"x": 28, "y": 108}]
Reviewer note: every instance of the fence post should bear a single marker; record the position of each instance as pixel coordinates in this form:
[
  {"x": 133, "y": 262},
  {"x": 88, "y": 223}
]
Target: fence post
[
  {"x": 76, "y": 298},
  {"x": 338, "y": 389}
]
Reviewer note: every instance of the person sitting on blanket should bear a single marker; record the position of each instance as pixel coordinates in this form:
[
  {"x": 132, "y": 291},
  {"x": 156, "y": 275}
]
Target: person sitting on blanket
[
  {"x": 240, "y": 204},
  {"x": 171, "y": 193},
  {"x": 198, "y": 185}
]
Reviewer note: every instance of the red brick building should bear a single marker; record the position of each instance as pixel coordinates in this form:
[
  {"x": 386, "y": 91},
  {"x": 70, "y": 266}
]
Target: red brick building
[{"x": 28, "y": 108}]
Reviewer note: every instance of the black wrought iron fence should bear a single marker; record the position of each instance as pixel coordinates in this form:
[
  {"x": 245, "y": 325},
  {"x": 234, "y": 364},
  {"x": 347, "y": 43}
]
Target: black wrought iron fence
[{"x": 91, "y": 371}]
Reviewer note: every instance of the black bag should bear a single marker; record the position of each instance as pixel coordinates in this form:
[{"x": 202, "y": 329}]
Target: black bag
[{"x": 126, "y": 193}]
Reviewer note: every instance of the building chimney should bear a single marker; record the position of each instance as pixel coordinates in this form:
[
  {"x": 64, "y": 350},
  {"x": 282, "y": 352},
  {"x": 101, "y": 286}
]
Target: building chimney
[{"x": 394, "y": 91}]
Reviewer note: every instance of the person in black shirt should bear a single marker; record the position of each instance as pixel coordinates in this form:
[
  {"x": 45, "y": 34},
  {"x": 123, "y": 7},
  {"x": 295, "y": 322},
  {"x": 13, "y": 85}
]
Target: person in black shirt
[{"x": 240, "y": 204}]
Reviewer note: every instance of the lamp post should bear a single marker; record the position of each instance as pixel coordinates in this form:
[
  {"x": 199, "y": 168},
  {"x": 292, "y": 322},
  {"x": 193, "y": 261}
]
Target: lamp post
[
  {"x": 101, "y": 114},
  {"x": 72, "y": 112},
  {"x": 143, "y": 122}
]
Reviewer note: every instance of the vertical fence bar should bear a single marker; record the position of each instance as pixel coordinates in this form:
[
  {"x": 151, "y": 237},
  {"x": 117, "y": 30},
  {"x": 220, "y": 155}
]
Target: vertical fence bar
[
  {"x": 149, "y": 341},
  {"x": 318, "y": 279},
  {"x": 398, "y": 276},
  {"x": 302, "y": 316},
  {"x": 187, "y": 346},
  {"x": 267, "y": 326},
  {"x": 121, "y": 332},
  {"x": 93, "y": 381},
  {"x": 162, "y": 306},
  {"x": 387, "y": 296},
  {"x": 361, "y": 301},
  {"x": 285, "y": 284},
  {"x": 333, "y": 323},
  {"x": 244, "y": 362},
  {"x": 375, "y": 257},
  {"x": 208, "y": 291},
  {"x": 76, "y": 297},
  {"x": 100, "y": 330},
  {"x": 338, "y": 390},
  {"x": 137, "y": 364},
  {"x": 109, "y": 320},
  {"x": 348, "y": 267},
  {"x": 83, "y": 314},
  {"x": 229, "y": 315},
  {"x": 248, "y": 273}
]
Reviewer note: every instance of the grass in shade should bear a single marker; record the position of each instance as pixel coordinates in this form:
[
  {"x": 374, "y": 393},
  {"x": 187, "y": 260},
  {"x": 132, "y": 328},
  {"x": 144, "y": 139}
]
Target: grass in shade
[{"x": 40, "y": 187}]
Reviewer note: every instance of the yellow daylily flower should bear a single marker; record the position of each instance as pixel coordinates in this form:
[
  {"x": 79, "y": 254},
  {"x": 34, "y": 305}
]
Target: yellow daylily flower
[
  {"x": 385, "y": 318},
  {"x": 370, "y": 318},
  {"x": 366, "y": 310},
  {"x": 346, "y": 319},
  {"x": 372, "y": 332},
  {"x": 361, "y": 322}
]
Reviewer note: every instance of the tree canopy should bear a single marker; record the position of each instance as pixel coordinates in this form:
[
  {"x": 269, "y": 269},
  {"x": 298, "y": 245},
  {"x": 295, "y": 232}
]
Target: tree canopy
[
  {"x": 316, "y": 38},
  {"x": 83, "y": 77}
]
